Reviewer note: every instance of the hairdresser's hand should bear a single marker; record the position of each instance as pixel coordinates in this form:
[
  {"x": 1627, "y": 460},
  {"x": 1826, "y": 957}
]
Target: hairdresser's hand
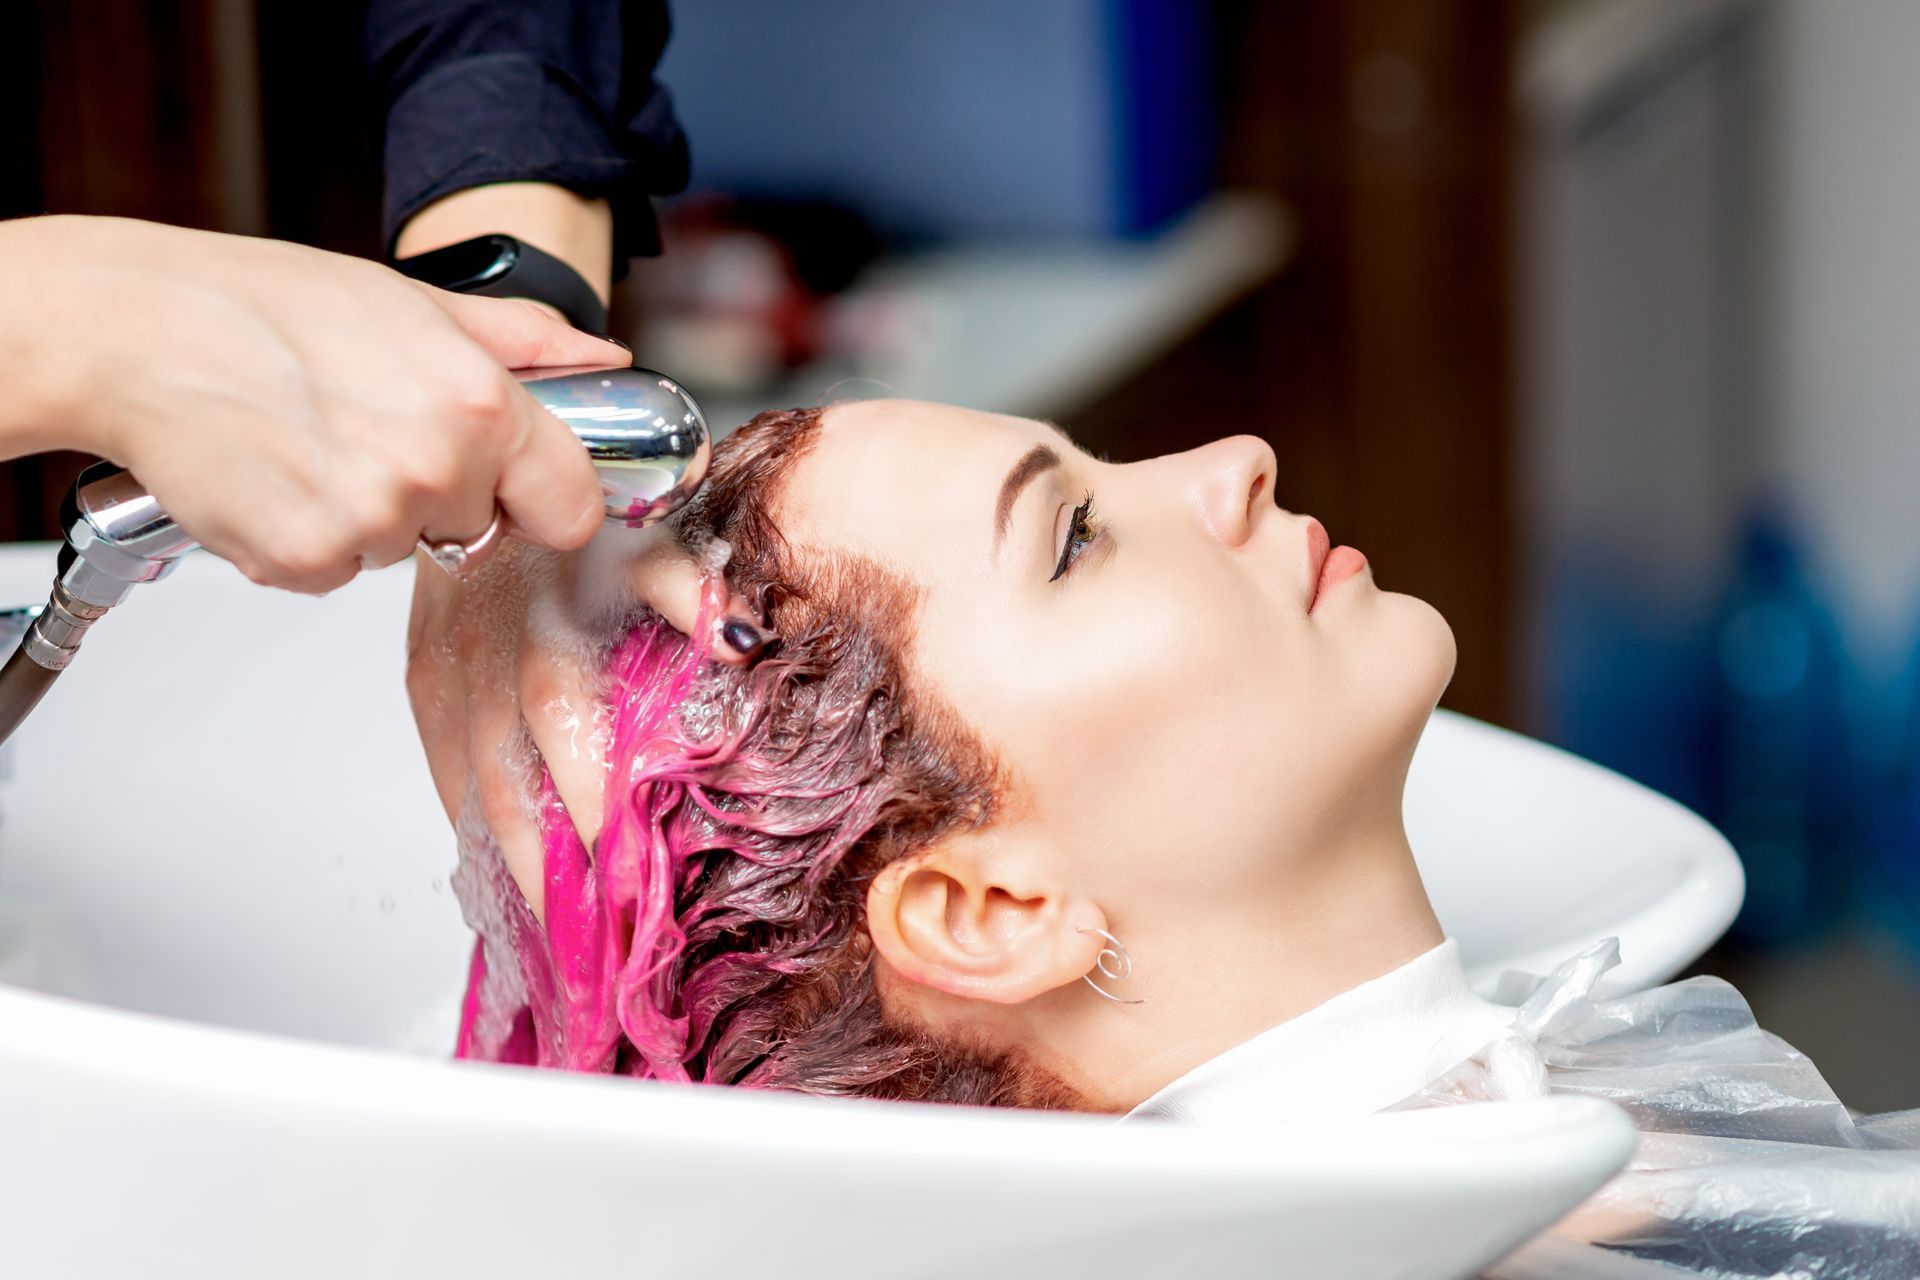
[
  {"x": 303, "y": 414},
  {"x": 503, "y": 670}
]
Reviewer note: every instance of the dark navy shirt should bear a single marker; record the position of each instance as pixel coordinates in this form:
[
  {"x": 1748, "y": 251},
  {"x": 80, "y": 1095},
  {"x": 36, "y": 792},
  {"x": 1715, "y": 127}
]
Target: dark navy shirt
[{"x": 560, "y": 91}]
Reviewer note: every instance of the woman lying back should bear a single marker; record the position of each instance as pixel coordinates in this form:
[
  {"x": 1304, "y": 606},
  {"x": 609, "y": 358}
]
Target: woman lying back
[
  {"x": 1170, "y": 736},
  {"x": 1066, "y": 784}
]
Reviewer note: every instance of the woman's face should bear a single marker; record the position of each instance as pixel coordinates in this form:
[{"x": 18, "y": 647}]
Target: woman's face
[{"x": 1176, "y": 710}]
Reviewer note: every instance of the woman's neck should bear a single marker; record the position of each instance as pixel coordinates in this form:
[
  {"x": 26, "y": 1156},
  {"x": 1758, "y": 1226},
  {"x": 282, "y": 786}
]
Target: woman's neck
[{"x": 1344, "y": 916}]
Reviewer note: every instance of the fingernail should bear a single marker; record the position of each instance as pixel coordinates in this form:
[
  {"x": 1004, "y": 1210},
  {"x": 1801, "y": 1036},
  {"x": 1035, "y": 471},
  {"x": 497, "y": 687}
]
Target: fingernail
[
  {"x": 607, "y": 337},
  {"x": 742, "y": 636}
]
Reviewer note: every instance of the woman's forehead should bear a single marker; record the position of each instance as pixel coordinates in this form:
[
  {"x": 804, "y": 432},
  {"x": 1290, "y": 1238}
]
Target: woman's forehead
[{"x": 884, "y": 474}]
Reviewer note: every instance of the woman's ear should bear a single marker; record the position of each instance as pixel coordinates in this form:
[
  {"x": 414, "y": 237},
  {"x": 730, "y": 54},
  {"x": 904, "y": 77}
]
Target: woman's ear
[{"x": 986, "y": 916}]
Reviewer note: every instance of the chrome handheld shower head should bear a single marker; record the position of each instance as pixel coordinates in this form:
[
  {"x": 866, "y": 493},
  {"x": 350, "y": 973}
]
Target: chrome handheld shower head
[{"x": 646, "y": 436}]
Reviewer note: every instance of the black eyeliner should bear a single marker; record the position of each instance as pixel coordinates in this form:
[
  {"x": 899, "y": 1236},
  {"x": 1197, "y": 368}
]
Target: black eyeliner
[{"x": 1081, "y": 516}]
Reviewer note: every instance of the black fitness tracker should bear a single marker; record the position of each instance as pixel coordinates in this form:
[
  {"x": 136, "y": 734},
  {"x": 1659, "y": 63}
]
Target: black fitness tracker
[{"x": 499, "y": 266}]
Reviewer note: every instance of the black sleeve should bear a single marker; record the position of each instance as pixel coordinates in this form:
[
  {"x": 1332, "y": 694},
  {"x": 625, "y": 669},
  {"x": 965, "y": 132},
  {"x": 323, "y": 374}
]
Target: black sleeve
[{"x": 560, "y": 91}]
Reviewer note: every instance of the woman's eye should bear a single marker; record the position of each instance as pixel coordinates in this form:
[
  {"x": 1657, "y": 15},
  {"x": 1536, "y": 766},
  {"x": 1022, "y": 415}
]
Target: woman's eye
[{"x": 1081, "y": 531}]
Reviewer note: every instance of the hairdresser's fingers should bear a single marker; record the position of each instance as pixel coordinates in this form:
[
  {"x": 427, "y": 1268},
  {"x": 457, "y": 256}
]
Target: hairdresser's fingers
[
  {"x": 547, "y": 482},
  {"x": 506, "y": 773},
  {"x": 493, "y": 607},
  {"x": 561, "y": 705},
  {"x": 525, "y": 335},
  {"x": 436, "y": 685},
  {"x": 737, "y": 636},
  {"x": 667, "y": 579}
]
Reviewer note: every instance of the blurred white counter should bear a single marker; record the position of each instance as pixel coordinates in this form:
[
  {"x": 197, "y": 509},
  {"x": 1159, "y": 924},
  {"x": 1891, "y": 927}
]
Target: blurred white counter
[{"x": 1043, "y": 328}]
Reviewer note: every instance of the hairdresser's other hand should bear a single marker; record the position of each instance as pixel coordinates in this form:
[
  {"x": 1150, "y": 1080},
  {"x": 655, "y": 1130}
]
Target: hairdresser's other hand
[
  {"x": 503, "y": 671},
  {"x": 302, "y": 414}
]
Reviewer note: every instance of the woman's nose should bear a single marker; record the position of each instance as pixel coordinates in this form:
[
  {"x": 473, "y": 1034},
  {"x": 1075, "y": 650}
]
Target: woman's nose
[{"x": 1232, "y": 483}]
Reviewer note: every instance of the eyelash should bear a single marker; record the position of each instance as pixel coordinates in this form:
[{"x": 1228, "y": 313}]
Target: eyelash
[{"x": 1082, "y": 530}]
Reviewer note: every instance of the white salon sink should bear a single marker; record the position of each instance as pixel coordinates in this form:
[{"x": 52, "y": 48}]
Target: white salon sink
[{"x": 230, "y": 964}]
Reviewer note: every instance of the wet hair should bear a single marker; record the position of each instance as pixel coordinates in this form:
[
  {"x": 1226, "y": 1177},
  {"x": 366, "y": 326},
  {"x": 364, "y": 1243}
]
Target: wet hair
[{"x": 717, "y": 934}]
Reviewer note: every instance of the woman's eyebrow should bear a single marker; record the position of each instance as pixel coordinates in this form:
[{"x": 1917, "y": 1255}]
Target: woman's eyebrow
[{"x": 1032, "y": 463}]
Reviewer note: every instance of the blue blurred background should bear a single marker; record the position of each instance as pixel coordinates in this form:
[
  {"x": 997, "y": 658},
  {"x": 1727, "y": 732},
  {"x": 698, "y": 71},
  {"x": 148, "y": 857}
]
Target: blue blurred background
[{"x": 1590, "y": 321}]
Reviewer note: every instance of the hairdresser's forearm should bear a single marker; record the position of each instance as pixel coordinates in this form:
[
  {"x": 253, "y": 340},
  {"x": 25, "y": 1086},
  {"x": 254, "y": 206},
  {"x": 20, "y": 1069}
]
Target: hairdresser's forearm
[
  {"x": 44, "y": 339},
  {"x": 572, "y": 228}
]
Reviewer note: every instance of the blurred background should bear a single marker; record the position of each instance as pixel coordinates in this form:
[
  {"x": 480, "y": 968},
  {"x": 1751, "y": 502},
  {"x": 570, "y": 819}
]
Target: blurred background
[{"x": 1591, "y": 321}]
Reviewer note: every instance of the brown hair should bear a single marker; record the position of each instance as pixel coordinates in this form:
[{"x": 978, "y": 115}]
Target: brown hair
[{"x": 834, "y": 765}]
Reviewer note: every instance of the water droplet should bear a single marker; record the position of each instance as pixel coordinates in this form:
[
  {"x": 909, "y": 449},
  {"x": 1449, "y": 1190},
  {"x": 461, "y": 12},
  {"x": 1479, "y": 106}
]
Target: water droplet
[
  {"x": 387, "y": 905},
  {"x": 439, "y": 883}
]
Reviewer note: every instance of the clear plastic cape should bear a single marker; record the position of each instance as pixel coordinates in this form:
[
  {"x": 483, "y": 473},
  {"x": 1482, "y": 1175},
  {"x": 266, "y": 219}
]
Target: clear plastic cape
[{"x": 1747, "y": 1164}]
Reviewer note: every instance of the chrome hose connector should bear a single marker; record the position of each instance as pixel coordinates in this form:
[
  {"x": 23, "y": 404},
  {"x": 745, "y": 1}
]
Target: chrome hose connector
[{"x": 54, "y": 637}]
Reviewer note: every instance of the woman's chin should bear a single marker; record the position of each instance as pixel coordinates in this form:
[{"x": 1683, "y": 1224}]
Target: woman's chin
[
  {"x": 1441, "y": 650},
  {"x": 1410, "y": 661}
]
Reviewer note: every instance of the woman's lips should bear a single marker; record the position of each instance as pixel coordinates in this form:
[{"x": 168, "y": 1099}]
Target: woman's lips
[
  {"x": 1318, "y": 544},
  {"x": 1328, "y": 565}
]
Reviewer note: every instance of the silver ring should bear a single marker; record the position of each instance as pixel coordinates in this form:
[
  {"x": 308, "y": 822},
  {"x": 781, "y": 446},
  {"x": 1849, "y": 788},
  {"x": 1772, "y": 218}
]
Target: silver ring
[{"x": 461, "y": 558}]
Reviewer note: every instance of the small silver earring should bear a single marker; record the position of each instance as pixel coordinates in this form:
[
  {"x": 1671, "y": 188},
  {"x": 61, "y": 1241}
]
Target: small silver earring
[{"x": 1114, "y": 961}]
